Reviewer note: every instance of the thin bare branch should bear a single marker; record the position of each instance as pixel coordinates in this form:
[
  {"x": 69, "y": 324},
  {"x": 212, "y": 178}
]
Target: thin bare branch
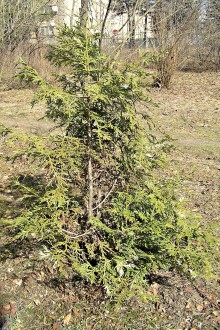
[{"x": 106, "y": 197}]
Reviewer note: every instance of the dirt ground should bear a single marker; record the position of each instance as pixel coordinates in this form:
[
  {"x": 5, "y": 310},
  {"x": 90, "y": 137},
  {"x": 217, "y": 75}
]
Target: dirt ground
[
  {"x": 190, "y": 113},
  {"x": 31, "y": 295}
]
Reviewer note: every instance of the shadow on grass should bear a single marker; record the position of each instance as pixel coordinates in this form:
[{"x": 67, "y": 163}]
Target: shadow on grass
[
  {"x": 14, "y": 201},
  {"x": 19, "y": 194},
  {"x": 16, "y": 249}
]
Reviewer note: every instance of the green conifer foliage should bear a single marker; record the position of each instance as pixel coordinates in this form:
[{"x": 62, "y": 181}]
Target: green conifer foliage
[{"x": 98, "y": 207}]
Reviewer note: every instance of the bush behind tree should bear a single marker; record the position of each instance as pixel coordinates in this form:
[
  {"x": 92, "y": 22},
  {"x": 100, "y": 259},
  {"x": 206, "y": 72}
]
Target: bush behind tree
[{"x": 98, "y": 206}]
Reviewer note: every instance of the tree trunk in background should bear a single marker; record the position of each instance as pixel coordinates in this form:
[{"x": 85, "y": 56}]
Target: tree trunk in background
[
  {"x": 72, "y": 13},
  {"x": 145, "y": 30},
  {"x": 104, "y": 22},
  {"x": 132, "y": 31},
  {"x": 212, "y": 32},
  {"x": 84, "y": 13},
  {"x": 131, "y": 24}
]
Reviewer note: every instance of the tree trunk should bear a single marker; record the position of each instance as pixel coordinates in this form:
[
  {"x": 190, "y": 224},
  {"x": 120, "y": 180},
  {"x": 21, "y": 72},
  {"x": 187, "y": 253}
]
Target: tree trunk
[
  {"x": 84, "y": 13},
  {"x": 131, "y": 24},
  {"x": 72, "y": 13},
  {"x": 90, "y": 169},
  {"x": 132, "y": 32},
  {"x": 145, "y": 30},
  {"x": 104, "y": 22},
  {"x": 90, "y": 188}
]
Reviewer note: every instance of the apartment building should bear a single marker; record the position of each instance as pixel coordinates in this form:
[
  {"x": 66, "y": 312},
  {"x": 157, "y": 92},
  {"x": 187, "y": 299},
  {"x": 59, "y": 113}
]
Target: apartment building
[{"x": 59, "y": 12}]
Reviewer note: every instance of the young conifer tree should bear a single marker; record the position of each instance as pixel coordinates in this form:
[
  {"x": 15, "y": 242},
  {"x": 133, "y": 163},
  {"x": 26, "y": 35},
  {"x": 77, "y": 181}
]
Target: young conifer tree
[{"x": 97, "y": 206}]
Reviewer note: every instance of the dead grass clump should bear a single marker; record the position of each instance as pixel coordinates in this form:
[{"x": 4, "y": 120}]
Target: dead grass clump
[{"x": 33, "y": 54}]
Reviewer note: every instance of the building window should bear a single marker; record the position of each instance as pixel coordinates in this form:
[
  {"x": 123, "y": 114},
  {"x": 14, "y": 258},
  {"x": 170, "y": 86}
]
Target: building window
[{"x": 46, "y": 31}]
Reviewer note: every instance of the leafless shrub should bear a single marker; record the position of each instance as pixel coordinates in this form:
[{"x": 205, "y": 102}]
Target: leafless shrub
[{"x": 175, "y": 23}]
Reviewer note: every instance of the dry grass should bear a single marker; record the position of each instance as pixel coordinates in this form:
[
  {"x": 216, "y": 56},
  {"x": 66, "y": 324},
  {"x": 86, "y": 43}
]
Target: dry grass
[
  {"x": 190, "y": 113},
  {"x": 33, "y": 54}
]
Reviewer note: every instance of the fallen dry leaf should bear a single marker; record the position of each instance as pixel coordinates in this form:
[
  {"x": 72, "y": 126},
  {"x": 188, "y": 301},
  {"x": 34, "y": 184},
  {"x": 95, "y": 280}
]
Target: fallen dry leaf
[
  {"x": 56, "y": 326},
  {"x": 216, "y": 320},
  {"x": 61, "y": 287},
  {"x": 189, "y": 304},
  {"x": 188, "y": 289},
  {"x": 76, "y": 314},
  {"x": 67, "y": 319},
  {"x": 199, "y": 308},
  {"x": 18, "y": 281},
  {"x": 37, "y": 302},
  {"x": 206, "y": 303},
  {"x": 216, "y": 313},
  {"x": 6, "y": 309}
]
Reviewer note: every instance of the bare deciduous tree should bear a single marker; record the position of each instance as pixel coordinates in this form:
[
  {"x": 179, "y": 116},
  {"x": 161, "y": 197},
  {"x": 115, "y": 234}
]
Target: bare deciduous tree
[
  {"x": 19, "y": 18},
  {"x": 209, "y": 38},
  {"x": 174, "y": 24}
]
